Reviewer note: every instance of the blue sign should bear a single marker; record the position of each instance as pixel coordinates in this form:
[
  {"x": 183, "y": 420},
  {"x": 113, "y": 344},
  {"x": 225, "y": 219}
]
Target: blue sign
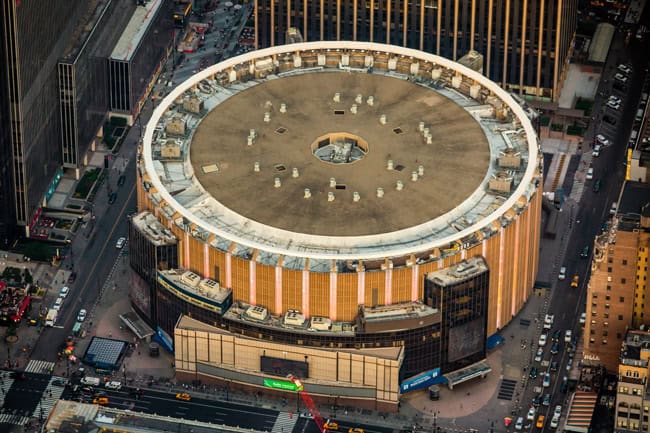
[
  {"x": 164, "y": 339},
  {"x": 420, "y": 381}
]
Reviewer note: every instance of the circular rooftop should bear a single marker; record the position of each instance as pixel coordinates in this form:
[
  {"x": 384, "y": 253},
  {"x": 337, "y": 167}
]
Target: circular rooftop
[
  {"x": 243, "y": 197},
  {"x": 452, "y": 165}
]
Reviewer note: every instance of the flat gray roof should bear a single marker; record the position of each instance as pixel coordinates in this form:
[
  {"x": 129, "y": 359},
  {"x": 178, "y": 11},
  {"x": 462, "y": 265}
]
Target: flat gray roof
[{"x": 135, "y": 30}]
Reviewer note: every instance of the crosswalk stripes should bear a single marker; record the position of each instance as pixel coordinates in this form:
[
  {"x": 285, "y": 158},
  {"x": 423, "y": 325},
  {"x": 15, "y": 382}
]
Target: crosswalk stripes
[
  {"x": 284, "y": 423},
  {"x": 50, "y": 396},
  {"x": 6, "y": 418},
  {"x": 36, "y": 366}
]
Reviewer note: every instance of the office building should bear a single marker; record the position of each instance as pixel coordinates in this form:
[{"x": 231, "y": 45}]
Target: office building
[
  {"x": 618, "y": 287},
  {"x": 632, "y": 392},
  {"x": 138, "y": 57},
  {"x": 525, "y": 44},
  {"x": 291, "y": 227},
  {"x": 83, "y": 78},
  {"x": 34, "y": 35}
]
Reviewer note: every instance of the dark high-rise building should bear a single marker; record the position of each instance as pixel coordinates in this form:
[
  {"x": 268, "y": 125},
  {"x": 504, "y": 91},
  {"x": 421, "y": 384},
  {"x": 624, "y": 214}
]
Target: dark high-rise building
[
  {"x": 83, "y": 77},
  {"x": 33, "y": 35},
  {"x": 525, "y": 44}
]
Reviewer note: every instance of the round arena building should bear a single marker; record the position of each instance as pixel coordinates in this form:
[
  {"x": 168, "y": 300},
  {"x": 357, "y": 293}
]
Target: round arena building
[{"x": 344, "y": 182}]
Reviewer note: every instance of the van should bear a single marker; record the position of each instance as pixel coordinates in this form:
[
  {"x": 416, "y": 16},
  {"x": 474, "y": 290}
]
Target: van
[
  {"x": 613, "y": 209},
  {"x": 89, "y": 380},
  {"x": 114, "y": 385}
]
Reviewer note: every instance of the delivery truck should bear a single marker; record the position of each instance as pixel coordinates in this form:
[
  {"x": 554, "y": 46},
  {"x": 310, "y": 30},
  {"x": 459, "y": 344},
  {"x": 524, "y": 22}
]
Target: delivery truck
[{"x": 50, "y": 319}]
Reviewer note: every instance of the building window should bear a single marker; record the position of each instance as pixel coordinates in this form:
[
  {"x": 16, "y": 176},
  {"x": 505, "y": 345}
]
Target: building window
[
  {"x": 620, "y": 317},
  {"x": 592, "y": 332},
  {"x": 604, "y": 341},
  {"x": 595, "y": 295},
  {"x": 624, "y": 262},
  {"x": 622, "y": 280},
  {"x": 621, "y": 299},
  {"x": 606, "y": 306},
  {"x": 604, "y": 333},
  {"x": 636, "y": 374},
  {"x": 609, "y": 288},
  {"x": 610, "y": 260},
  {"x": 591, "y": 340},
  {"x": 607, "y": 298},
  {"x": 606, "y": 315},
  {"x": 609, "y": 269}
]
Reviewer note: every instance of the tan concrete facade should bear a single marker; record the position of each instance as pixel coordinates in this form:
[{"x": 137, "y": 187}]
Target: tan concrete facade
[
  {"x": 616, "y": 296},
  {"x": 369, "y": 376}
]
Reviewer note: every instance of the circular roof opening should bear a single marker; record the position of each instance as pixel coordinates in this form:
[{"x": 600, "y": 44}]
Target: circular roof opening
[{"x": 339, "y": 148}]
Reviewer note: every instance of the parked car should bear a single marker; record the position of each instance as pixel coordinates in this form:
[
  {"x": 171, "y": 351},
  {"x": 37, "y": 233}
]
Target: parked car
[
  {"x": 596, "y": 151},
  {"x": 57, "y": 304},
  {"x": 613, "y": 208},
  {"x": 546, "y": 381},
  {"x": 64, "y": 291},
  {"x": 531, "y": 413},
  {"x": 556, "y": 335},
  {"x": 583, "y": 318},
  {"x": 590, "y": 173},
  {"x": 557, "y": 411},
  {"x": 554, "y": 366},
  {"x": 614, "y": 99},
  {"x": 569, "y": 364},
  {"x": 82, "y": 315},
  {"x": 555, "y": 349},
  {"x": 539, "y": 355},
  {"x": 567, "y": 336},
  {"x": 602, "y": 140},
  {"x": 613, "y": 105},
  {"x": 542, "y": 340},
  {"x": 72, "y": 277},
  {"x": 537, "y": 400},
  {"x": 620, "y": 77},
  {"x": 596, "y": 187},
  {"x": 624, "y": 68},
  {"x": 120, "y": 242},
  {"x": 533, "y": 373},
  {"x": 562, "y": 274}
]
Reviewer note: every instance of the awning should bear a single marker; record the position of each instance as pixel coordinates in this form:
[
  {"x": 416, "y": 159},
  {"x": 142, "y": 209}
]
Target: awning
[
  {"x": 494, "y": 340},
  {"x": 480, "y": 369}
]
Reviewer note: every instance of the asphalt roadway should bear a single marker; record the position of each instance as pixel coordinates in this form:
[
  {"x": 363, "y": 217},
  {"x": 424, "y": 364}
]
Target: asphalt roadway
[
  {"x": 568, "y": 303},
  {"x": 206, "y": 410}
]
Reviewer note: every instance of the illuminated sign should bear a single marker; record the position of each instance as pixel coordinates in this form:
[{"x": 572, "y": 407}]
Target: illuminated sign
[
  {"x": 420, "y": 381},
  {"x": 281, "y": 384}
]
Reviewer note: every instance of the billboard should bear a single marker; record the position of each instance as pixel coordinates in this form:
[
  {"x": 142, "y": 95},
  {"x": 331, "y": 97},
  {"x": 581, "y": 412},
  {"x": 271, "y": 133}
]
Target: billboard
[
  {"x": 420, "y": 381},
  {"x": 284, "y": 367},
  {"x": 466, "y": 340}
]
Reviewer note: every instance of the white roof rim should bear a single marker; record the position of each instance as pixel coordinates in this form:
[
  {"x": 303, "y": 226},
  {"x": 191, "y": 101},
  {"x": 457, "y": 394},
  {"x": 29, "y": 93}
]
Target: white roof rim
[{"x": 330, "y": 242}]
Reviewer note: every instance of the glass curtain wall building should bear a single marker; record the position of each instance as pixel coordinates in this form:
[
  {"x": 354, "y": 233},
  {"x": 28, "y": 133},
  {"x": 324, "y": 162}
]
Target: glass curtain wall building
[
  {"x": 34, "y": 35},
  {"x": 525, "y": 44},
  {"x": 139, "y": 55},
  {"x": 83, "y": 78}
]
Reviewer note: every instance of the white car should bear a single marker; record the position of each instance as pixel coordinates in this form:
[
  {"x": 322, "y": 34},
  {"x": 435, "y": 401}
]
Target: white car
[
  {"x": 596, "y": 152},
  {"x": 530, "y": 416},
  {"x": 120, "y": 242},
  {"x": 624, "y": 68},
  {"x": 583, "y": 318},
  {"x": 613, "y": 105},
  {"x": 546, "y": 381},
  {"x": 57, "y": 304},
  {"x": 562, "y": 275},
  {"x": 64, "y": 291},
  {"x": 620, "y": 77},
  {"x": 601, "y": 139},
  {"x": 614, "y": 99},
  {"x": 519, "y": 424},
  {"x": 555, "y": 422},
  {"x": 82, "y": 315},
  {"x": 567, "y": 336},
  {"x": 590, "y": 173},
  {"x": 539, "y": 355},
  {"x": 113, "y": 385},
  {"x": 557, "y": 411},
  {"x": 542, "y": 340}
]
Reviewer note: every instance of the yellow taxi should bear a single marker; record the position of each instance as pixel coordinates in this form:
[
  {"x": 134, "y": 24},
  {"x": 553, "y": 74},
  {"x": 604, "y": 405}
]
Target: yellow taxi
[
  {"x": 540, "y": 421},
  {"x": 100, "y": 400},
  {"x": 355, "y": 430},
  {"x": 330, "y": 425},
  {"x": 575, "y": 281},
  {"x": 183, "y": 396}
]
